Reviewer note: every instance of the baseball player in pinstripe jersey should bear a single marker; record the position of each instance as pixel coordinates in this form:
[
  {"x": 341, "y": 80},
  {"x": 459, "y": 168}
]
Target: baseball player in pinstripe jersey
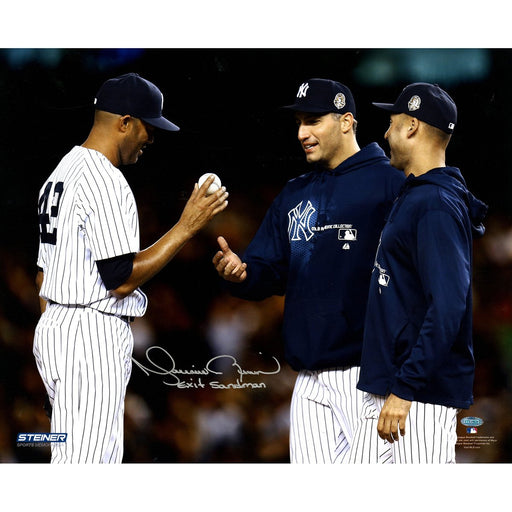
[
  {"x": 316, "y": 246},
  {"x": 91, "y": 267}
]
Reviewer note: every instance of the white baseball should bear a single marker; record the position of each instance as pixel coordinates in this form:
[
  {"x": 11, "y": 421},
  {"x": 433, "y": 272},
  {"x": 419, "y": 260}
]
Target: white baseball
[{"x": 214, "y": 186}]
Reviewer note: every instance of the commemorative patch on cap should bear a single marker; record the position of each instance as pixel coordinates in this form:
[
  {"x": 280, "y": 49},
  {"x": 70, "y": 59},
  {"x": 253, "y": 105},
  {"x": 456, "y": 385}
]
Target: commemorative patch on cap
[
  {"x": 339, "y": 100},
  {"x": 414, "y": 103}
]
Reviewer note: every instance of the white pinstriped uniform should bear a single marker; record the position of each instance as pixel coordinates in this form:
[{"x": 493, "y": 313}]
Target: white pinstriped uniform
[
  {"x": 84, "y": 358},
  {"x": 82, "y": 346},
  {"x": 96, "y": 219},
  {"x": 430, "y": 434},
  {"x": 325, "y": 409}
]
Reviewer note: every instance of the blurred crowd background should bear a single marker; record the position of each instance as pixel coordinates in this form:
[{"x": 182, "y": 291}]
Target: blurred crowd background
[{"x": 226, "y": 102}]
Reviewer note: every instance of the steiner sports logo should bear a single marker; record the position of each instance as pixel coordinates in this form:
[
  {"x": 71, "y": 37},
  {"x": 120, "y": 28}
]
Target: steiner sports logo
[
  {"x": 299, "y": 222},
  {"x": 41, "y": 437}
]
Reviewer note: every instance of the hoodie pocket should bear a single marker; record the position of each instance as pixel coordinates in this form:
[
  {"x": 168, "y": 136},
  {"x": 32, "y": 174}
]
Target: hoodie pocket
[{"x": 403, "y": 341}]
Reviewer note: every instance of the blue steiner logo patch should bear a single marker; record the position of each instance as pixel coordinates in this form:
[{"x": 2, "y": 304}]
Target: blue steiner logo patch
[
  {"x": 41, "y": 437},
  {"x": 472, "y": 421}
]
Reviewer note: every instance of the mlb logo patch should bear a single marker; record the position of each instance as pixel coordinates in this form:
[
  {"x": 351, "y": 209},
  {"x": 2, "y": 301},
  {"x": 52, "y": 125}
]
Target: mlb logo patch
[
  {"x": 471, "y": 430},
  {"x": 347, "y": 234},
  {"x": 383, "y": 279}
]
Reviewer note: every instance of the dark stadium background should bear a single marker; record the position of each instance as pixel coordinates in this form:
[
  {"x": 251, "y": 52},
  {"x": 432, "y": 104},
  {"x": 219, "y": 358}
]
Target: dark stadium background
[{"x": 226, "y": 102}]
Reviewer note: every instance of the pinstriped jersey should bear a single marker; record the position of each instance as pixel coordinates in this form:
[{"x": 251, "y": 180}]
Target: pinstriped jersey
[{"x": 87, "y": 212}]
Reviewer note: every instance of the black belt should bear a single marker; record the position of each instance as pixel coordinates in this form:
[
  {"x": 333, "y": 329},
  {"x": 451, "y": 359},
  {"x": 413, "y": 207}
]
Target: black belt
[{"x": 125, "y": 318}]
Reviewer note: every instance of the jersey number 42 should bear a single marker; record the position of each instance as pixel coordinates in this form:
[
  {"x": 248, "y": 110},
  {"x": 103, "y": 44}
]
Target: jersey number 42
[{"x": 49, "y": 209}]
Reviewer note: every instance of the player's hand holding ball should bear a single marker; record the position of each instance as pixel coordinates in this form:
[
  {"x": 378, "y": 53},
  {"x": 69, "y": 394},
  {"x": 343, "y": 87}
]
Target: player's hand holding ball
[
  {"x": 216, "y": 184},
  {"x": 207, "y": 200}
]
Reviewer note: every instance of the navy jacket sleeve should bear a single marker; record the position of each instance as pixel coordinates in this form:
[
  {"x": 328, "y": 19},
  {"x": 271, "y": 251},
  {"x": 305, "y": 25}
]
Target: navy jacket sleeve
[
  {"x": 267, "y": 260},
  {"x": 444, "y": 267}
]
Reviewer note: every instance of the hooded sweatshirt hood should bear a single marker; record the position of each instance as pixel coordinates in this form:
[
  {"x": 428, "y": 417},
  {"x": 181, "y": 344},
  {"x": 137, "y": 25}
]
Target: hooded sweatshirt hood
[{"x": 451, "y": 179}]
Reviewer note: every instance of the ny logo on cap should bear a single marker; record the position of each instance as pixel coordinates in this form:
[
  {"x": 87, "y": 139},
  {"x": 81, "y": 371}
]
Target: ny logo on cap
[{"x": 303, "y": 89}]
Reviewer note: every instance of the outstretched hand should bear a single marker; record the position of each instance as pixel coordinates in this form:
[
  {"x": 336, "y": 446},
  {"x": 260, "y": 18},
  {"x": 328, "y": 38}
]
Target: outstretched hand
[{"x": 228, "y": 265}]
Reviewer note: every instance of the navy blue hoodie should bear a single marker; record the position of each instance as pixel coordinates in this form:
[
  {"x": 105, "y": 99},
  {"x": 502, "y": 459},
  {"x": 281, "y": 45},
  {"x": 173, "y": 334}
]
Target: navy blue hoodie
[
  {"x": 316, "y": 245},
  {"x": 418, "y": 331}
]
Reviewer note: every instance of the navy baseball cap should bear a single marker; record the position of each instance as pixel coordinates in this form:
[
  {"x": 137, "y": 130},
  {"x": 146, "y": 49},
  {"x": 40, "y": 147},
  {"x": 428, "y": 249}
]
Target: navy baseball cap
[
  {"x": 428, "y": 103},
  {"x": 321, "y": 96},
  {"x": 130, "y": 94}
]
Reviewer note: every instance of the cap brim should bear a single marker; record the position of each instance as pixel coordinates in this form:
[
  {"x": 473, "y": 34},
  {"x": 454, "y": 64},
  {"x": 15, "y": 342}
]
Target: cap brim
[
  {"x": 386, "y": 106},
  {"x": 162, "y": 123}
]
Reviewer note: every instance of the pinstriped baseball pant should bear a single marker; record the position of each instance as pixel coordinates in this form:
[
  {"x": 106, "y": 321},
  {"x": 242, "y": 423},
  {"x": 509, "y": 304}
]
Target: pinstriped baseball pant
[
  {"x": 84, "y": 359},
  {"x": 430, "y": 434},
  {"x": 325, "y": 409}
]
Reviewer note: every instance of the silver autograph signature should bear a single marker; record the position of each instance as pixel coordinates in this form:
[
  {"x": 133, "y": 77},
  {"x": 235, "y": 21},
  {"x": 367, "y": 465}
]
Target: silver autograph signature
[{"x": 174, "y": 376}]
